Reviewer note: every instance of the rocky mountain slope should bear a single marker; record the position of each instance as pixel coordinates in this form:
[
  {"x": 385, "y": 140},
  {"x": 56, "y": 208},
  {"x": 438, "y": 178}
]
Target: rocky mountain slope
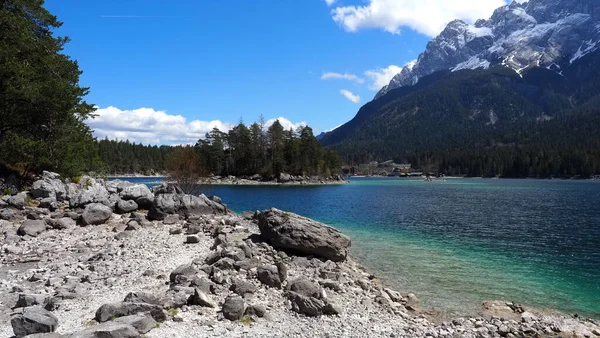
[{"x": 539, "y": 33}]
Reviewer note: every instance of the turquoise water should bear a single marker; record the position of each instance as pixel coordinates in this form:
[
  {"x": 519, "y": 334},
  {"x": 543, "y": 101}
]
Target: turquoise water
[{"x": 458, "y": 243}]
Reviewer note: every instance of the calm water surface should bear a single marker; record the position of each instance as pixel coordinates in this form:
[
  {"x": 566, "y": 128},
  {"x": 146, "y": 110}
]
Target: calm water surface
[{"x": 458, "y": 243}]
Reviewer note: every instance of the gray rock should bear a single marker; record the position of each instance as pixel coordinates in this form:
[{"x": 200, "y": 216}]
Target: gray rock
[
  {"x": 200, "y": 298},
  {"x": 94, "y": 193},
  {"x": 242, "y": 287},
  {"x": 184, "y": 205},
  {"x": 234, "y": 253},
  {"x": 281, "y": 270},
  {"x": 8, "y": 215},
  {"x": 309, "y": 306},
  {"x": 167, "y": 188},
  {"x": 331, "y": 309},
  {"x": 114, "y": 310},
  {"x": 95, "y": 214},
  {"x": 124, "y": 207},
  {"x": 116, "y": 186},
  {"x": 142, "y": 323},
  {"x": 33, "y": 320},
  {"x": 268, "y": 275},
  {"x": 192, "y": 239},
  {"x": 256, "y": 310},
  {"x": 395, "y": 296},
  {"x": 135, "y": 192},
  {"x": 284, "y": 178},
  {"x": 49, "y": 203},
  {"x": 61, "y": 223},
  {"x": 187, "y": 270},
  {"x": 304, "y": 287},
  {"x": 299, "y": 234},
  {"x": 225, "y": 264},
  {"x": 49, "y": 186},
  {"x": 108, "y": 330},
  {"x": 142, "y": 297},
  {"x": 32, "y": 228},
  {"x": 233, "y": 307},
  {"x": 18, "y": 200}
]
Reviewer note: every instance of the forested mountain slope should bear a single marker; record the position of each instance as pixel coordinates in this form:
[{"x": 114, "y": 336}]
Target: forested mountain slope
[{"x": 485, "y": 122}]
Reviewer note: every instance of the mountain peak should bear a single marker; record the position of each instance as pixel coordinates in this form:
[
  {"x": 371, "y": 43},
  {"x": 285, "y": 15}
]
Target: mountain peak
[{"x": 535, "y": 33}]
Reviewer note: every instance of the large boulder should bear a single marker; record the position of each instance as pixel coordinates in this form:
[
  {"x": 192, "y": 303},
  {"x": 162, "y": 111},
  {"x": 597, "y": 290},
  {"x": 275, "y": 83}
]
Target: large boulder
[
  {"x": 304, "y": 287},
  {"x": 134, "y": 192},
  {"x": 114, "y": 310},
  {"x": 184, "y": 270},
  {"x": 61, "y": 223},
  {"x": 184, "y": 205},
  {"x": 140, "y": 193},
  {"x": 284, "y": 178},
  {"x": 302, "y": 235},
  {"x": 309, "y": 306},
  {"x": 233, "y": 307},
  {"x": 93, "y": 193},
  {"x": 269, "y": 275},
  {"x": 33, "y": 320},
  {"x": 124, "y": 207},
  {"x": 200, "y": 298},
  {"x": 32, "y": 228},
  {"x": 49, "y": 186},
  {"x": 168, "y": 188},
  {"x": 18, "y": 200},
  {"x": 95, "y": 214},
  {"x": 116, "y": 186},
  {"x": 108, "y": 330},
  {"x": 142, "y": 323}
]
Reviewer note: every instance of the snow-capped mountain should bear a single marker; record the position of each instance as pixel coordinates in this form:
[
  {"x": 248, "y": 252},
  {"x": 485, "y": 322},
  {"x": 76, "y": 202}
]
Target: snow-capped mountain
[{"x": 538, "y": 33}]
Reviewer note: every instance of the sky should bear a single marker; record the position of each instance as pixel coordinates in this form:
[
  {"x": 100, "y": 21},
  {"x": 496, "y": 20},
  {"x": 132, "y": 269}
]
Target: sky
[{"x": 167, "y": 72}]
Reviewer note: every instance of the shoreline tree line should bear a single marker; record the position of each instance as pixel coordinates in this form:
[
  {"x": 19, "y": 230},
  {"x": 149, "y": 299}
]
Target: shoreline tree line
[{"x": 242, "y": 151}]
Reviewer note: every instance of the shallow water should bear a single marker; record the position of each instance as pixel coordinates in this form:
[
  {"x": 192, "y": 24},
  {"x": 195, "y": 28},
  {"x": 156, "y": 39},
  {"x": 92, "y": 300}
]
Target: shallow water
[{"x": 458, "y": 243}]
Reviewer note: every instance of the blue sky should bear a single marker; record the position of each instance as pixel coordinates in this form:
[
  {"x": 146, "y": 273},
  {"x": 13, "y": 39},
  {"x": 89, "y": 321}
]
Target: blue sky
[{"x": 196, "y": 64}]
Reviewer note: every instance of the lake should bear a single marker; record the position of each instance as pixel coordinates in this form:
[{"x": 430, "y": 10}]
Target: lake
[{"x": 458, "y": 243}]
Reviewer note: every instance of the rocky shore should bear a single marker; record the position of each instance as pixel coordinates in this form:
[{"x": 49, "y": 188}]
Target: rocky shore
[
  {"x": 113, "y": 260},
  {"x": 281, "y": 179}
]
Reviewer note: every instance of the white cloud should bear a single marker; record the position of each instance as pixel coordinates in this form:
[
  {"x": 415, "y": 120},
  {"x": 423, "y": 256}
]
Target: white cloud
[
  {"x": 285, "y": 123},
  {"x": 146, "y": 125},
  {"x": 330, "y": 2},
  {"x": 382, "y": 76},
  {"x": 338, "y": 76},
  {"x": 428, "y": 17},
  {"x": 350, "y": 96}
]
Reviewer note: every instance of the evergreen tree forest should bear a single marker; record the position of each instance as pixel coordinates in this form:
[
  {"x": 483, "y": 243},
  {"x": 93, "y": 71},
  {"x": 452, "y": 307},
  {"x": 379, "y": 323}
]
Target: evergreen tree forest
[
  {"x": 242, "y": 151},
  {"x": 124, "y": 157},
  {"x": 251, "y": 150}
]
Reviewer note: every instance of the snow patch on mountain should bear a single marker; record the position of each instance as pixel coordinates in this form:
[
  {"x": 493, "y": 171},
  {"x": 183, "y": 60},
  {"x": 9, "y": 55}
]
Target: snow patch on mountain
[
  {"x": 585, "y": 48},
  {"x": 473, "y": 63}
]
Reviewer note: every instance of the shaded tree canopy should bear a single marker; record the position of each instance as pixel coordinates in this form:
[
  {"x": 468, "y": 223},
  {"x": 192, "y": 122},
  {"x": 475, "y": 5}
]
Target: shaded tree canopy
[{"x": 42, "y": 106}]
